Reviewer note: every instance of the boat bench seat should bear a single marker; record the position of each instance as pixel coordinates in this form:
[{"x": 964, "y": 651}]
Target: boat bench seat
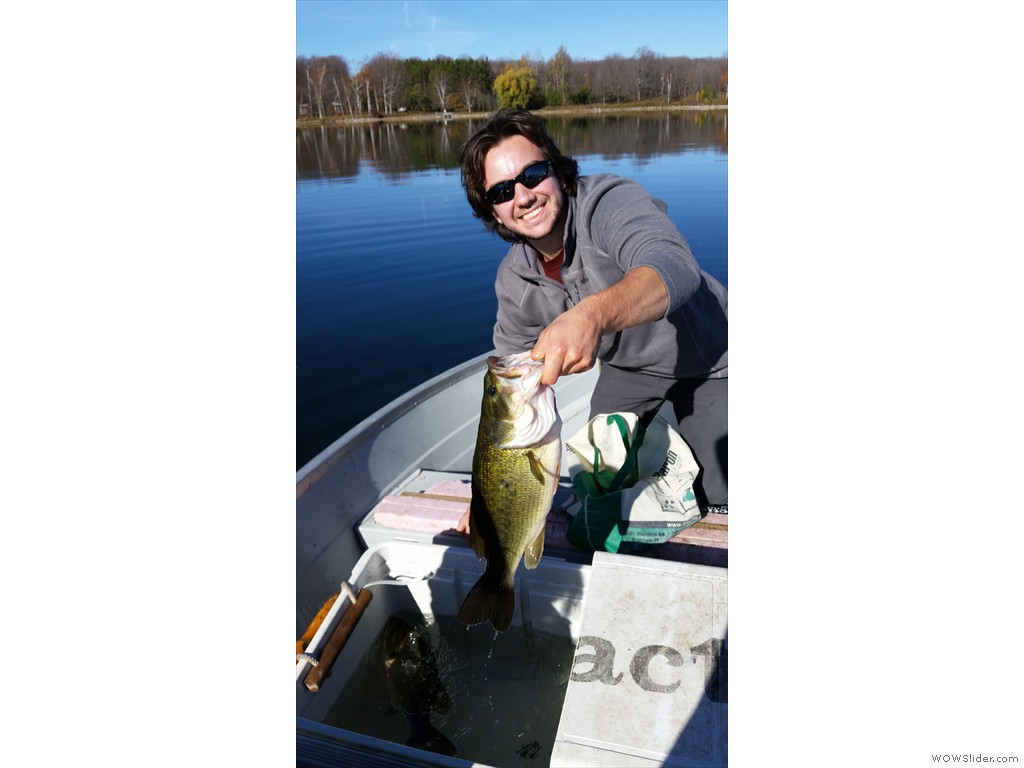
[{"x": 427, "y": 507}]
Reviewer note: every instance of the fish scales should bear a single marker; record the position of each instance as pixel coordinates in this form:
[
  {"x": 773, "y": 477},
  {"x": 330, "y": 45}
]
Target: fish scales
[{"x": 516, "y": 467}]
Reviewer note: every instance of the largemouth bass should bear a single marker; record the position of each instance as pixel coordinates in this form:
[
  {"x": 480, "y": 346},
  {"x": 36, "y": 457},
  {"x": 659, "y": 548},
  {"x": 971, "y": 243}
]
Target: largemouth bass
[
  {"x": 515, "y": 473},
  {"x": 414, "y": 686}
]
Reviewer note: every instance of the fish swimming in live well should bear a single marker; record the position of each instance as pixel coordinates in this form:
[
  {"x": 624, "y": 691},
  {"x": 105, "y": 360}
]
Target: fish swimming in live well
[
  {"x": 414, "y": 686},
  {"x": 515, "y": 474}
]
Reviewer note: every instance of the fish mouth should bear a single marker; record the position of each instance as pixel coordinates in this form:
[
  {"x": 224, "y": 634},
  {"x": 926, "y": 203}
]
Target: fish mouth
[
  {"x": 519, "y": 365},
  {"x": 537, "y": 419},
  {"x": 511, "y": 362},
  {"x": 518, "y": 373}
]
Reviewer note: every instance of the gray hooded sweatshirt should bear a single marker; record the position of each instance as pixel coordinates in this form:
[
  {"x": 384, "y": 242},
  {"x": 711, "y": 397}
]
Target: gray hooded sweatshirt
[{"x": 613, "y": 225}]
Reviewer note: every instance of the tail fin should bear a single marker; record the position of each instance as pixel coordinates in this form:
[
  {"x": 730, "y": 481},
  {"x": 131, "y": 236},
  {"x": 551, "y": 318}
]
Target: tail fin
[{"x": 489, "y": 602}]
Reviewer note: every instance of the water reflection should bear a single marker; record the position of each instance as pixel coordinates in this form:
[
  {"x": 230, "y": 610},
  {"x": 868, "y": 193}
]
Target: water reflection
[{"x": 396, "y": 150}]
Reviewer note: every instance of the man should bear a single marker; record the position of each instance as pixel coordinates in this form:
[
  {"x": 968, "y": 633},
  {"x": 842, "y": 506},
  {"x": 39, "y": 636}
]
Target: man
[{"x": 597, "y": 271}]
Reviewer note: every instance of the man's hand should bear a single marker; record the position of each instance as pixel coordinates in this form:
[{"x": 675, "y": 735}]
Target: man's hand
[{"x": 570, "y": 343}]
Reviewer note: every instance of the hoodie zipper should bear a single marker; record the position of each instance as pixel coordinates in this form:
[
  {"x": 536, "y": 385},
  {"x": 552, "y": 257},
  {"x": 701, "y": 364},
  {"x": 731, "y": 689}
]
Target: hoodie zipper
[{"x": 576, "y": 289}]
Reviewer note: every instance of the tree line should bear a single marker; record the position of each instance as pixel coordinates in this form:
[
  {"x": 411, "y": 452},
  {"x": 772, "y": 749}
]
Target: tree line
[{"x": 385, "y": 84}]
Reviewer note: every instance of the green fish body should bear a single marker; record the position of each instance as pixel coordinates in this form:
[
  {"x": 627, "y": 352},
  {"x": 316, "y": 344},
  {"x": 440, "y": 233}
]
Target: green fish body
[{"x": 516, "y": 467}]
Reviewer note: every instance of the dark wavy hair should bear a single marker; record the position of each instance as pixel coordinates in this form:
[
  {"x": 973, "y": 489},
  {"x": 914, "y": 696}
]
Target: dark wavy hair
[{"x": 505, "y": 123}]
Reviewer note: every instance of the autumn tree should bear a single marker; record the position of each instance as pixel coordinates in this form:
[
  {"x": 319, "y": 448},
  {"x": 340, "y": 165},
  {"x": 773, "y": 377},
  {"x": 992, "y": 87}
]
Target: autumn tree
[
  {"x": 585, "y": 93},
  {"x": 386, "y": 74},
  {"x": 472, "y": 82},
  {"x": 670, "y": 69},
  {"x": 609, "y": 78},
  {"x": 471, "y": 94},
  {"x": 321, "y": 82},
  {"x": 516, "y": 87},
  {"x": 342, "y": 87},
  {"x": 316, "y": 75},
  {"x": 302, "y": 96},
  {"x": 439, "y": 79},
  {"x": 645, "y": 70},
  {"x": 363, "y": 86},
  {"x": 560, "y": 74}
]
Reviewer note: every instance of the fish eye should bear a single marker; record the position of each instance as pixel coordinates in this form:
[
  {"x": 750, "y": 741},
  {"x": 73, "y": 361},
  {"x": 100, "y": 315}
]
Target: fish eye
[{"x": 492, "y": 390}]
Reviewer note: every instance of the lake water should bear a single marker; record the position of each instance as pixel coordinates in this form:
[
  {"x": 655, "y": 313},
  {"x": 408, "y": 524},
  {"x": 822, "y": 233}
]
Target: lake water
[{"x": 394, "y": 276}]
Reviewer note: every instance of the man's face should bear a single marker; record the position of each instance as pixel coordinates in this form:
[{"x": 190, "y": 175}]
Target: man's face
[{"x": 536, "y": 214}]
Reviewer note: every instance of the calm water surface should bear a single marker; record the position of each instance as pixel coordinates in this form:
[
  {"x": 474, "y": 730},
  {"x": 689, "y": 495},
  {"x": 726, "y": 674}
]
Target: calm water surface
[{"x": 394, "y": 276}]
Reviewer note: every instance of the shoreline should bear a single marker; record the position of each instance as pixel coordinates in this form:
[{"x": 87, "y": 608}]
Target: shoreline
[{"x": 422, "y": 117}]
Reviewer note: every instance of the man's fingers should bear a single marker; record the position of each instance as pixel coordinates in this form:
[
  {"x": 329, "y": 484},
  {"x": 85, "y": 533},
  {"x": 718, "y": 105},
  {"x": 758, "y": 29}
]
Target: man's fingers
[{"x": 552, "y": 369}]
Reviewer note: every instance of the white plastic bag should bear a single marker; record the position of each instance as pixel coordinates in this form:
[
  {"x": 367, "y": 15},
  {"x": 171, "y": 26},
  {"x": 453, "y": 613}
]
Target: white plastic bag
[{"x": 634, "y": 486}]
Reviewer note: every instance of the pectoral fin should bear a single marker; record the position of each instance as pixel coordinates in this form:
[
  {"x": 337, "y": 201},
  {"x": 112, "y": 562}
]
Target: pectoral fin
[{"x": 535, "y": 466}]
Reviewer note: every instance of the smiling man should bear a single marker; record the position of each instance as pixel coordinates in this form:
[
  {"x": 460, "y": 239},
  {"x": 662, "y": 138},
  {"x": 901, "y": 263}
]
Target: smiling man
[{"x": 598, "y": 271}]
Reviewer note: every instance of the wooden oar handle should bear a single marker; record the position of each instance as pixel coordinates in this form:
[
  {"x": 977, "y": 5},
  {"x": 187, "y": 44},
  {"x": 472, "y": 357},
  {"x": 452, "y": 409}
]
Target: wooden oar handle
[
  {"x": 303, "y": 642},
  {"x": 339, "y": 637}
]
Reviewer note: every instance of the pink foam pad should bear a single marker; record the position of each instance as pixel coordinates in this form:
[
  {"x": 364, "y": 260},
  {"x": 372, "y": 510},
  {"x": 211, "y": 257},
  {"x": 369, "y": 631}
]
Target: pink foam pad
[{"x": 415, "y": 514}]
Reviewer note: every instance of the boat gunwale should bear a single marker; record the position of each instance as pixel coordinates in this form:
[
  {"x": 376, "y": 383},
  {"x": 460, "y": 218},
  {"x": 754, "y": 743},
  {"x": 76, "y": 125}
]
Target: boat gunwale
[{"x": 328, "y": 458}]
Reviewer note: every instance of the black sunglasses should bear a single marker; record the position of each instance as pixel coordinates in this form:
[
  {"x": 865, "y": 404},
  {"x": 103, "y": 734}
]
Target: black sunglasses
[{"x": 531, "y": 176}]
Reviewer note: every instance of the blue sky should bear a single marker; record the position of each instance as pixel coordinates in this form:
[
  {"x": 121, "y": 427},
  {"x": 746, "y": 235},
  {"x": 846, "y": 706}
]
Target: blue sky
[{"x": 501, "y": 29}]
